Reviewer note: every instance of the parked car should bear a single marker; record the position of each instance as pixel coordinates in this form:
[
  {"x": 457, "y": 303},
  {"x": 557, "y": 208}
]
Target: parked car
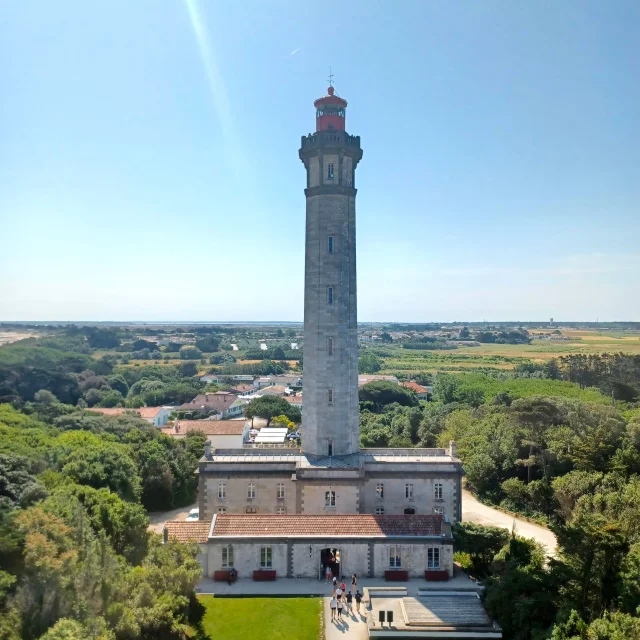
[
  {"x": 193, "y": 515},
  {"x": 293, "y": 436}
]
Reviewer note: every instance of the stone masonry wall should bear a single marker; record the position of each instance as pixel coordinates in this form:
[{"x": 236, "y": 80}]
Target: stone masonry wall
[
  {"x": 424, "y": 501},
  {"x": 236, "y": 501},
  {"x": 338, "y": 421},
  {"x": 246, "y": 557},
  {"x": 414, "y": 557},
  {"x": 313, "y": 499}
]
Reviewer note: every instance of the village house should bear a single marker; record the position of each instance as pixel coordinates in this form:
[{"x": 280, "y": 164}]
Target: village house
[
  {"x": 273, "y": 390},
  {"x": 242, "y": 389},
  {"x": 157, "y": 416},
  {"x": 423, "y": 393},
  {"x": 220, "y": 433},
  {"x": 286, "y": 380},
  {"x": 225, "y": 404}
]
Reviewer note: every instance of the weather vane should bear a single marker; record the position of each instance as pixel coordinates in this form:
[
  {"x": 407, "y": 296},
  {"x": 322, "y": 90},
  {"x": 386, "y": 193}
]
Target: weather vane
[{"x": 330, "y": 78}]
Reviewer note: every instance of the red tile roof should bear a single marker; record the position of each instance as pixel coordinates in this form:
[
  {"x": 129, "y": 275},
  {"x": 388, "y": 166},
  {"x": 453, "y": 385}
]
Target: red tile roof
[
  {"x": 208, "y": 427},
  {"x": 364, "y": 526},
  {"x": 414, "y": 386},
  {"x": 297, "y": 399},
  {"x": 188, "y": 531}
]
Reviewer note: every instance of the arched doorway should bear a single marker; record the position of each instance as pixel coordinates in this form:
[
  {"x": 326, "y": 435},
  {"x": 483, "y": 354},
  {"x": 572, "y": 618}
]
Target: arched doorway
[
  {"x": 330, "y": 558},
  {"x": 409, "y": 511}
]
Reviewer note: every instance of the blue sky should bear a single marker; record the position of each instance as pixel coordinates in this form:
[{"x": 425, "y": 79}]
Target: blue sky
[{"x": 149, "y": 169}]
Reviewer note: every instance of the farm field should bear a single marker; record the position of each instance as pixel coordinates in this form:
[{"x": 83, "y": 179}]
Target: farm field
[
  {"x": 508, "y": 356},
  {"x": 248, "y": 618}
]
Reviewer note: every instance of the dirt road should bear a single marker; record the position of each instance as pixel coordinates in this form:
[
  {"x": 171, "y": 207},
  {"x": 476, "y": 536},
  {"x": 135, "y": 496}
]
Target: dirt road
[{"x": 474, "y": 511}]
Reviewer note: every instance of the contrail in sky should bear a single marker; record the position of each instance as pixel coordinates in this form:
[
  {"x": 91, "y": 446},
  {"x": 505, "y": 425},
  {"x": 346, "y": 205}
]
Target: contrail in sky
[{"x": 293, "y": 53}]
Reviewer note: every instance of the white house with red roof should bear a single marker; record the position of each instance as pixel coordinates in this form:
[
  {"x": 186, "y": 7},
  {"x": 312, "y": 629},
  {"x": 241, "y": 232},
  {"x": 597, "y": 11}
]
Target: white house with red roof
[{"x": 157, "y": 416}]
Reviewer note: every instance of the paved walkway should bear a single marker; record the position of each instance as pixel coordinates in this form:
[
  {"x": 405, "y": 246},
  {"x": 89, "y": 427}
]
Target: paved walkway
[
  {"x": 352, "y": 625},
  {"x": 474, "y": 511}
]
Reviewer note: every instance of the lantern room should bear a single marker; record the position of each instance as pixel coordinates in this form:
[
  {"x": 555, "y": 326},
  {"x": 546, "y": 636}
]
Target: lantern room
[{"x": 330, "y": 112}]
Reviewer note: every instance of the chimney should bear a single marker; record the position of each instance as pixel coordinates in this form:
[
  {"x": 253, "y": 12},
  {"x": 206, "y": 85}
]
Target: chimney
[
  {"x": 207, "y": 450},
  {"x": 165, "y": 534},
  {"x": 453, "y": 449}
]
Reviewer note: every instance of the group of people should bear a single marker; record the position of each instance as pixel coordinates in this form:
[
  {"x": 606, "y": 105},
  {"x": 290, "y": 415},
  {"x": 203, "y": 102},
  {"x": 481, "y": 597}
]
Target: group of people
[{"x": 342, "y": 598}]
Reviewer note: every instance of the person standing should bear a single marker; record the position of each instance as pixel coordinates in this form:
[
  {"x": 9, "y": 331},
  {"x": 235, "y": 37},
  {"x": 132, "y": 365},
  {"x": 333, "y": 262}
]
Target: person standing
[
  {"x": 343, "y": 586},
  {"x": 340, "y": 609},
  {"x": 327, "y": 574},
  {"x": 339, "y": 594},
  {"x": 358, "y": 600},
  {"x": 354, "y": 583},
  {"x": 349, "y": 601},
  {"x": 333, "y": 604}
]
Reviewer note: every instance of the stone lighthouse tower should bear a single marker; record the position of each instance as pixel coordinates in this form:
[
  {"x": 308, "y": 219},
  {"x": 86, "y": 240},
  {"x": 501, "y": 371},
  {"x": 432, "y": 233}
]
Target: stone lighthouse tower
[{"x": 330, "y": 408}]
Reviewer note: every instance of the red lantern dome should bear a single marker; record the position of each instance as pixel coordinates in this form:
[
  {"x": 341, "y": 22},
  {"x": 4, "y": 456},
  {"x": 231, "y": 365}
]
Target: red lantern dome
[{"x": 330, "y": 112}]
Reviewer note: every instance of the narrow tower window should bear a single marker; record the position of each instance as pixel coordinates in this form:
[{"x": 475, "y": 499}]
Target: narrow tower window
[
  {"x": 330, "y": 244},
  {"x": 330, "y": 295},
  {"x": 330, "y": 396},
  {"x": 330, "y": 171},
  {"x": 330, "y": 448},
  {"x": 330, "y": 346}
]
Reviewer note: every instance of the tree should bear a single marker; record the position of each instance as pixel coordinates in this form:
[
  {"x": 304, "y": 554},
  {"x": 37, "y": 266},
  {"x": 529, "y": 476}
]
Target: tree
[
  {"x": 124, "y": 523},
  {"x": 118, "y": 383},
  {"x": 267, "y": 407},
  {"x": 189, "y": 352},
  {"x": 44, "y": 397},
  {"x": 278, "y": 353},
  {"x": 386, "y": 337},
  {"x": 480, "y": 543},
  {"x": 464, "y": 333},
  {"x": 279, "y": 332},
  {"x": 98, "y": 463},
  {"x": 369, "y": 363},
  {"x": 382, "y": 392},
  {"x": 208, "y": 344},
  {"x": 188, "y": 369}
]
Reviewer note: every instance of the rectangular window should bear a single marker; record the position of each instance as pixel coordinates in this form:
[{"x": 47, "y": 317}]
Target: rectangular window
[
  {"x": 222, "y": 490},
  {"x": 330, "y": 499},
  {"x": 330, "y": 346},
  {"x": 281, "y": 510},
  {"x": 379, "y": 511},
  {"x": 266, "y": 557},
  {"x": 330, "y": 448},
  {"x": 438, "y": 511},
  {"x": 395, "y": 559},
  {"x": 330, "y": 244},
  {"x": 251, "y": 510},
  {"x": 437, "y": 490},
  {"x": 330, "y": 171},
  {"x": 433, "y": 558},
  {"x": 227, "y": 557},
  {"x": 251, "y": 490},
  {"x": 222, "y": 509},
  {"x": 330, "y": 396},
  {"x": 380, "y": 490},
  {"x": 329, "y": 295},
  {"x": 408, "y": 491},
  {"x": 280, "y": 490}
]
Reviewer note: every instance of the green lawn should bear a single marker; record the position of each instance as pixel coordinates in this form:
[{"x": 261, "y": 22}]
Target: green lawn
[{"x": 248, "y": 618}]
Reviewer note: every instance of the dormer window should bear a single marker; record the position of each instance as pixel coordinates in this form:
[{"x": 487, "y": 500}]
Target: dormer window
[{"x": 330, "y": 171}]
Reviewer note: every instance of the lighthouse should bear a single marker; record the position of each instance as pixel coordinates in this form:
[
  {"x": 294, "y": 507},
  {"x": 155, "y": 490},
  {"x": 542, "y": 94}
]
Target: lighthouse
[{"x": 330, "y": 409}]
